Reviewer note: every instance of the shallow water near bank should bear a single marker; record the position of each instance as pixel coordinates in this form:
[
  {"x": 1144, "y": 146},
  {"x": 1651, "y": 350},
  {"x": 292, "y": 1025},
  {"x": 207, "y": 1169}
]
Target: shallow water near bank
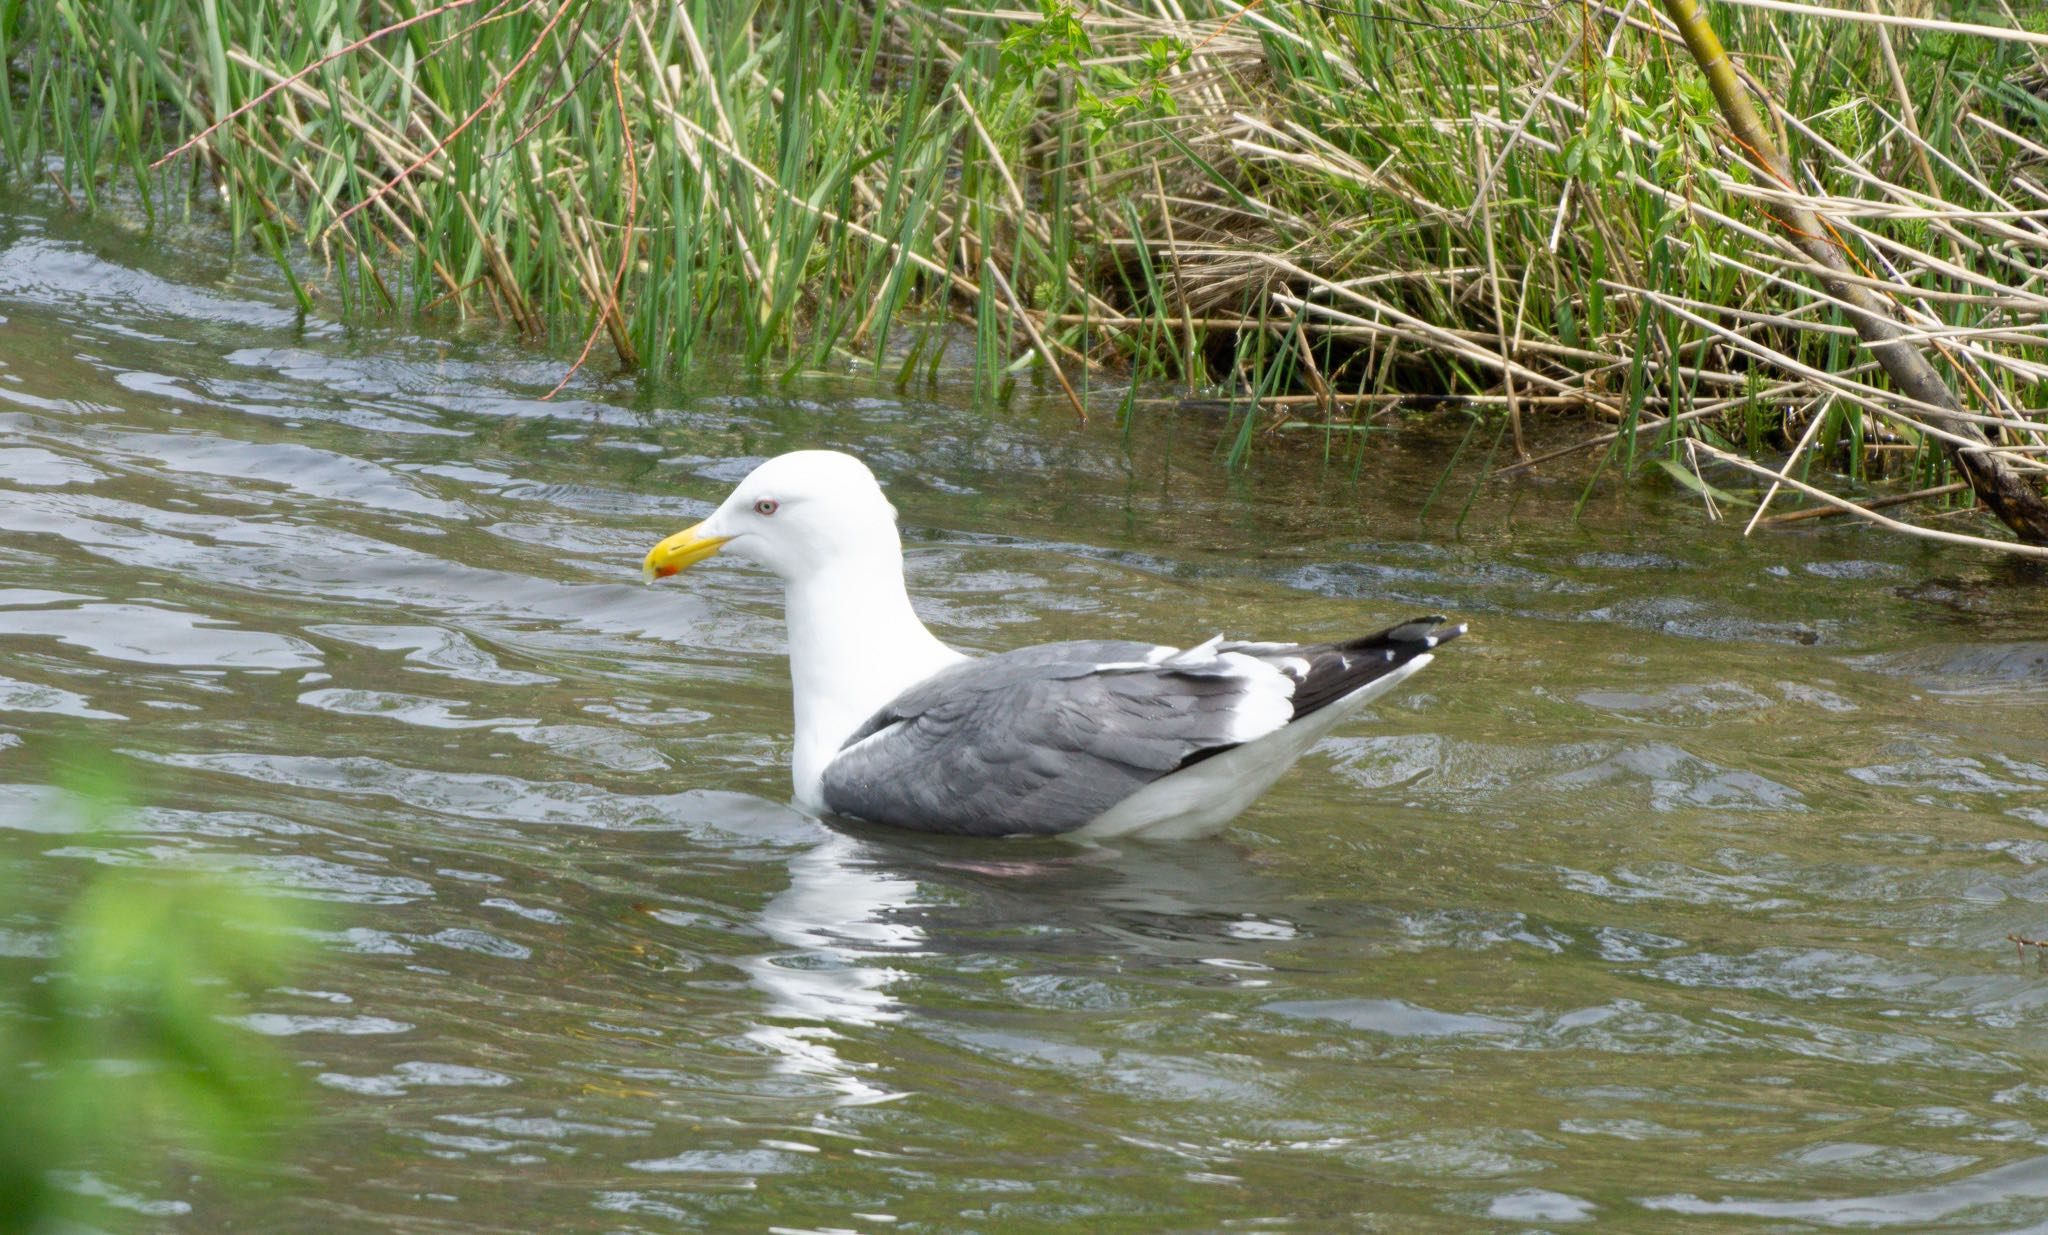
[{"x": 1674, "y": 898}]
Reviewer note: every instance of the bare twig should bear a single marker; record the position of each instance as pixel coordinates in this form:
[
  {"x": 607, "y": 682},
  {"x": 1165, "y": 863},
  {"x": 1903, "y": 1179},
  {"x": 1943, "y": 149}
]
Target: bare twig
[
  {"x": 441, "y": 143},
  {"x": 1893, "y": 499},
  {"x": 610, "y": 307},
  {"x": 1037, "y": 339},
  {"x": 310, "y": 69}
]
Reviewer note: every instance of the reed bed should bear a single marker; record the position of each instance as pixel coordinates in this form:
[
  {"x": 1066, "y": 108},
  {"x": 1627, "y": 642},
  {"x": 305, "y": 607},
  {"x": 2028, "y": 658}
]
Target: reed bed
[{"x": 1324, "y": 216}]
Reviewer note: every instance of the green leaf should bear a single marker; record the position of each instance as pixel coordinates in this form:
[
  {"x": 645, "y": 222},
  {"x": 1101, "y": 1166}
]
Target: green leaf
[{"x": 1684, "y": 475}]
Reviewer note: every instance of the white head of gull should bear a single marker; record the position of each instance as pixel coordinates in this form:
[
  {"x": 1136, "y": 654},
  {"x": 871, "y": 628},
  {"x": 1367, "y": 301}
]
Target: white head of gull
[
  {"x": 818, "y": 520},
  {"x": 1096, "y": 737}
]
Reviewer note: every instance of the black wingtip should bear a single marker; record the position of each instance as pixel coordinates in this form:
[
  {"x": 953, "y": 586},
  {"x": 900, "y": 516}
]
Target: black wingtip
[
  {"x": 1428, "y": 631},
  {"x": 1335, "y": 670}
]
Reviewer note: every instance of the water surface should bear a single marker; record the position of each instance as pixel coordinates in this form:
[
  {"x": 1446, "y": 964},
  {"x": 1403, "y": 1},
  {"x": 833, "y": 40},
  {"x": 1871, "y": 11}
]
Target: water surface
[{"x": 1675, "y": 898}]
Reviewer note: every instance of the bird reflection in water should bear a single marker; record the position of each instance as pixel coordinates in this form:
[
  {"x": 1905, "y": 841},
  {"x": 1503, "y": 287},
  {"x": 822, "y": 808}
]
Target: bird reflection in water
[
  {"x": 863, "y": 901},
  {"x": 839, "y": 931}
]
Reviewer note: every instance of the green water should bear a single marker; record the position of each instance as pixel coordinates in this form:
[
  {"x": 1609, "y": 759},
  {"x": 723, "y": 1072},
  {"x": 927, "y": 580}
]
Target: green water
[{"x": 1674, "y": 898}]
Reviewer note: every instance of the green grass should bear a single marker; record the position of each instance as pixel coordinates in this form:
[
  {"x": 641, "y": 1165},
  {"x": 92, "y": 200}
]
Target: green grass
[{"x": 1314, "y": 211}]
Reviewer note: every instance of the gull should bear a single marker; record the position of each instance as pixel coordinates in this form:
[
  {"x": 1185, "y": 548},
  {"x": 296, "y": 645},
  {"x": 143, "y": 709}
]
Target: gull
[{"x": 1095, "y": 738}]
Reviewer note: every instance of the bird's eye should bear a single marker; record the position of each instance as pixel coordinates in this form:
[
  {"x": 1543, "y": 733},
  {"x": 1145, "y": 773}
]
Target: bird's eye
[{"x": 766, "y": 506}]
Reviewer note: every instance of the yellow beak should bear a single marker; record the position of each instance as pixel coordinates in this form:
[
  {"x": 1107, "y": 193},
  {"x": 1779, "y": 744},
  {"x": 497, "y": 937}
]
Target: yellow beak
[{"x": 680, "y": 551}]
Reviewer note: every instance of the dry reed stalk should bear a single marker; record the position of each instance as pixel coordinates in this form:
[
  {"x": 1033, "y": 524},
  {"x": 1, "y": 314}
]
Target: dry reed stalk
[
  {"x": 1865, "y": 512},
  {"x": 1813, "y": 425},
  {"x": 1903, "y": 21},
  {"x": 1037, "y": 339}
]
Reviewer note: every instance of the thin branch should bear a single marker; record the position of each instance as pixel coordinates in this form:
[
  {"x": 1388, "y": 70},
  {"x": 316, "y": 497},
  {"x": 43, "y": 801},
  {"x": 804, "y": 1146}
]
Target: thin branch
[
  {"x": 610, "y": 307},
  {"x": 314, "y": 67},
  {"x": 441, "y": 143}
]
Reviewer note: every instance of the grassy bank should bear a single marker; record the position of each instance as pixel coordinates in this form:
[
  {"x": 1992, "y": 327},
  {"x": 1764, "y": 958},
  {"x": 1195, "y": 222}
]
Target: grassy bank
[{"x": 1323, "y": 214}]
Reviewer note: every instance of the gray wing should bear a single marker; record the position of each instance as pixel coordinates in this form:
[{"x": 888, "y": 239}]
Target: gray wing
[{"x": 1044, "y": 739}]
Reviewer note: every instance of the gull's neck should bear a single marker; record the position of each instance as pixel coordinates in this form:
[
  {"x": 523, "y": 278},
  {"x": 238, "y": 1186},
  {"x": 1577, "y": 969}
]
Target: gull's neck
[{"x": 854, "y": 644}]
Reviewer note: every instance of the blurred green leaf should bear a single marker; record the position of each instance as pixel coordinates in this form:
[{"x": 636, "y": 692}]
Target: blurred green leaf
[{"x": 120, "y": 1042}]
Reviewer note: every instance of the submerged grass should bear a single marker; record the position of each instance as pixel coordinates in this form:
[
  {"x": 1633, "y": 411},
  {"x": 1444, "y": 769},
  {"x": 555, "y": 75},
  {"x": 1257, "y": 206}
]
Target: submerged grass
[{"x": 1325, "y": 214}]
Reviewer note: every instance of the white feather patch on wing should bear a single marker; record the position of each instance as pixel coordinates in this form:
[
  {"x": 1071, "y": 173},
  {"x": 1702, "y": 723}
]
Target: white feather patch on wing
[
  {"x": 1268, "y": 702},
  {"x": 1200, "y": 654},
  {"x": 1153, "y": 659}
]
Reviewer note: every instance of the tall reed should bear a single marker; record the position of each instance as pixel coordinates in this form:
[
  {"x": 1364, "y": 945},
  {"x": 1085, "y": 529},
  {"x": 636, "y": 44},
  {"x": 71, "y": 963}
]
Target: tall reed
[{"x": 1324, "y": 213}]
